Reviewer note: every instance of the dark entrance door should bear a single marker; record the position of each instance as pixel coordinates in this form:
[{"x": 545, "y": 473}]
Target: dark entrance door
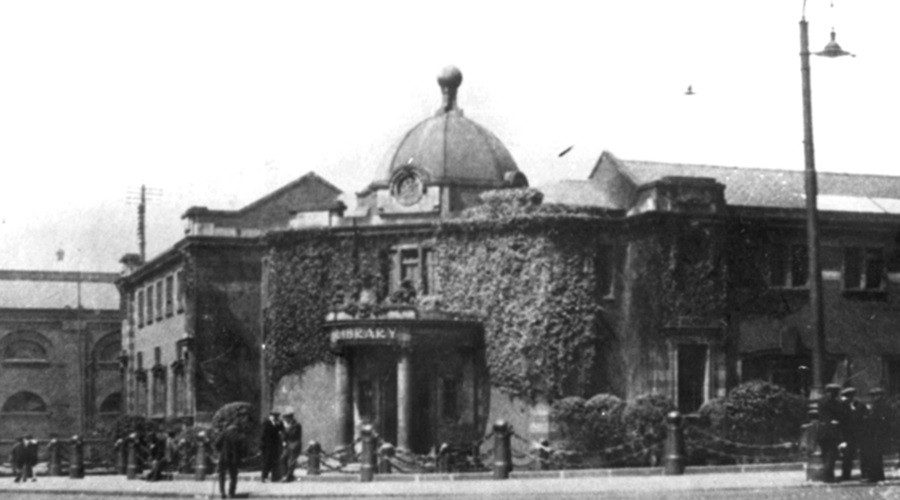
[
  {"x": 421, "y": 437},
  {"x": 376, "y": 390},
  {"x": 691, "y": 376}
]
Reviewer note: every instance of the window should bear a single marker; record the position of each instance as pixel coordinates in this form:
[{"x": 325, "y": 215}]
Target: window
[
  {"x": 159, "y": 300},
  {"x": 450, "y": 398},
  {"x": 21, "y": 350},
  {"x": 414, "y": 265},
  {"x": 789, "y": 266},
  {"x": 170, "y": 299},
  {"x": 140, "y": 308},
  {"x": 150, "y": 304},
  {"x": 179, "y": 281},
  {"x": 864, "y": 268},
  {"x": 604, "y": 267},
  {"x": 112, "y": 403},
  {"x": 24, "y": 402}
]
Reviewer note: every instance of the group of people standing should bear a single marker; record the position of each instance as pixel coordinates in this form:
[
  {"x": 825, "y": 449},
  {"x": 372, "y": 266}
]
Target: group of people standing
[
  {"x": 851, "y": 429},
  {"x": 24, "y": 457},
  {"x": 280, "y": 446}
]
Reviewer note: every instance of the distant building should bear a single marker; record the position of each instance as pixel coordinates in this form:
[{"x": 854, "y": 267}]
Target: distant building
[
  {"x": 60, "y": 344},
  {"x": 191, "y": 332}
]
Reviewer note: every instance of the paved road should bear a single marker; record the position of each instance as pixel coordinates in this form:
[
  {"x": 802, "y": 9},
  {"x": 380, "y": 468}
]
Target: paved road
[{"x": 842, "y": 492}]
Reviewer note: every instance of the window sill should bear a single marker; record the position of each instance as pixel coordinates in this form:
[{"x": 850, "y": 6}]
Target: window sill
[{"x": 28, "y": 414}]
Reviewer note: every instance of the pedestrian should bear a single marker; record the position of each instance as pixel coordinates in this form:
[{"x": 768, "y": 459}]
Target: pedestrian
[
  {"x": 171, "y": 451},
  {"x": 293, "y": 444},
  {"x": 231, "y": 448},
  {"x": 17, "y": 458},
  {"x": 854, "y": 413},
  {"x": 830, "y": 415},
  {"x": 157, "y": 457},
  {"x": 876, "y": 437},
  {"x": 30, "y": 458},
  {"x": 270, "y": 447}
]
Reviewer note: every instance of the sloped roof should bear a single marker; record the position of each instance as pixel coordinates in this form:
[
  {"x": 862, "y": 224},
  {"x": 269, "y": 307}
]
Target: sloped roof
[
  {"x": 58, "y": 290},
  {"x": 577, "y": 193},
  {"x": 759, "y": 187}
]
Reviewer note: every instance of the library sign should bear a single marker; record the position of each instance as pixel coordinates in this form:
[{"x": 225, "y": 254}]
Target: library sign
[{"x": 368, "y": 335}]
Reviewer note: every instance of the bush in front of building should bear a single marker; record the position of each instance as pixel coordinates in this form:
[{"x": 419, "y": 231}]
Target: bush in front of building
[
  {"x": 605, "y": 431},
  {"x": 240, "y": 414},
  {"x": 756, "y": 422},
  {"x": 125, "y": 425}
]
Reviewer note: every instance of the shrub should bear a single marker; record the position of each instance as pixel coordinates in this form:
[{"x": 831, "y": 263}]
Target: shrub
[
  {"x": 753, "y": 413},
  {"x": 127, "y": 424},
  {"x": 603, "y": 414},
  {"x": 238, "y": 413},
  {"x": 645, "y": 426},
  {"x": 569, "y": 414}
]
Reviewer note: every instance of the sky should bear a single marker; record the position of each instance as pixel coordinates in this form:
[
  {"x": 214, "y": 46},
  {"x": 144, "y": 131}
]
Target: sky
[{"x": 217, "y": 103}]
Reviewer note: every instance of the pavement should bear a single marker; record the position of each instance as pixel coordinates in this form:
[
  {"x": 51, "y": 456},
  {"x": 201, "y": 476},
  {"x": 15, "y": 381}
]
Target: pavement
[{"x": 647, "y": 480}]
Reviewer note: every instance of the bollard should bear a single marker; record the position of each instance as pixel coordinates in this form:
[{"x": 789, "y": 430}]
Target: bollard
[
  {"x": 502, "y": 450},
  {"x": 131, "y": 468},
  {"x": 55, "y": 461},
  {"x": 76, "y": 462},
  {"x": 674, "y": 456},
  {"x": 443, "y": 458},
  {"x": 385, "y": 454},
  {"x": 367, "y": 458},
  {"x": 121, "y": 450},
  {"x": 544, "y": 455},
  {"x": 815, "y": 471},
  {"x": 313, "y": 457},
  {"x": 200, "y": 463}
]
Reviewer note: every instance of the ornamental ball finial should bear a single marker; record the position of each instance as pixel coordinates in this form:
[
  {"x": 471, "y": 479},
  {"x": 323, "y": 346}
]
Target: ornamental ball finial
[{"x": 450, "y": 77}]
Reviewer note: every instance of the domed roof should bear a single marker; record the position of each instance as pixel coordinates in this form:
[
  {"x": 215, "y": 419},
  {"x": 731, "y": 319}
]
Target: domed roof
[{"x": 452, "y": 149}]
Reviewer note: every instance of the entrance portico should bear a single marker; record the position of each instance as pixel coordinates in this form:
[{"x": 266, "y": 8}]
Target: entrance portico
[{"x": 415, "y": 379}]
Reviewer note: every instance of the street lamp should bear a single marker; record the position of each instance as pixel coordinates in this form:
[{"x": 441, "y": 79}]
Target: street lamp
[
  {"x": 812, "y": 214},
  {"x": 815, "y": 468}
]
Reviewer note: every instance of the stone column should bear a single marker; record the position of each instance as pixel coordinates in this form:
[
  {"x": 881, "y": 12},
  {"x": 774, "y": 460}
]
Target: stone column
[
  {"x": 344, "y": 417},
  {"x": 404, "y": 398}
]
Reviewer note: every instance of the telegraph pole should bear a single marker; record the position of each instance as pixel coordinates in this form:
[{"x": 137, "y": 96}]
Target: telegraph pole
[{"x": 141, "y": 198}]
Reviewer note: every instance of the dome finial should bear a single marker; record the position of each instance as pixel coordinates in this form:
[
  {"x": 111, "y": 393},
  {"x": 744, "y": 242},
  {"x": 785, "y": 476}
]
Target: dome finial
[{"x": 449, "y": 80}]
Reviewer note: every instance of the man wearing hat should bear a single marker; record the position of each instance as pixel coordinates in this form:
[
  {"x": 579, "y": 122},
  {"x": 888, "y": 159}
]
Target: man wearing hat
[
  {"x": 293, "y": 443},
  {"x": 876, "y": 437},
  {"x": 270, "y": 446},
  {"x": 830, "y": 416},
  {"x": 854, "y": 414}
]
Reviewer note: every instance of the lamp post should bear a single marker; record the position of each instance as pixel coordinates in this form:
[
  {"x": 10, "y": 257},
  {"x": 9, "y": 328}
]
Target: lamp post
[
  {"x": 812, "y": 214},
  {"x": 816, "y": 469}
]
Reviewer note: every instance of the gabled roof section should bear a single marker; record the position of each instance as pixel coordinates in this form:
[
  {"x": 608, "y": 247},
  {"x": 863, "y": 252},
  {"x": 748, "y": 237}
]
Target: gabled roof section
[
  {"x": 759, "y": 187},
  {"x": 309, "y": 193},
  {"x": 58, "y": 290}
]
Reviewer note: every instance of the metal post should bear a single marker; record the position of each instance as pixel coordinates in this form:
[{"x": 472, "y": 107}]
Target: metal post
[
  {"x": 674, "y": 456},
  {"x": 502, "y": 450},
  {"x": 121, "y": 450},
  {"x": 55, "y": 459},
  {"x": 313, "y": 456},
  {"x": 367, "y": 458},
  {"x": 814, "y": 469},
  {"x": 816, "y": 315},
  {"x": 131, "y": 470},
  {"x": 443, "y": 458},
  {"x": 385, "y": 454},
  {"x": 200, "y": 463},
  {"x": 76, "y": 463}
]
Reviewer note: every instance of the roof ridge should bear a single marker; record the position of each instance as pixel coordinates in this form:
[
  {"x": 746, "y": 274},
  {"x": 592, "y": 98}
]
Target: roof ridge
[{"x": 763, "y": 169}]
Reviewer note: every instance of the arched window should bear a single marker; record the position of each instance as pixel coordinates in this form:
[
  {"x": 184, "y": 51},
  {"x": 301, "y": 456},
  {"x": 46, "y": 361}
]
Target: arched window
[
  {"x": 108, "y": 348},
  {"x": 25, "y": 346},
  {"x": 112, "y": 403},
  {"x": 24, "y": 350},
  {"x": 24, "y": 402}
]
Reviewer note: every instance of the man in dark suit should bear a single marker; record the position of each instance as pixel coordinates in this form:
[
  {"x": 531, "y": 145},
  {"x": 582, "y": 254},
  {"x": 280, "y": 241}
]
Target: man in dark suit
[
  {"x": 17, "y": 458},
  {"x": 30, "y": 458},
  {"x": 851, "y": 429},
  {"x": 231, "y": 448},
  {"x": 831, "y": 413},
  {"x": 270, "y": 447},
  {"x": 876, "y": 438}
]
